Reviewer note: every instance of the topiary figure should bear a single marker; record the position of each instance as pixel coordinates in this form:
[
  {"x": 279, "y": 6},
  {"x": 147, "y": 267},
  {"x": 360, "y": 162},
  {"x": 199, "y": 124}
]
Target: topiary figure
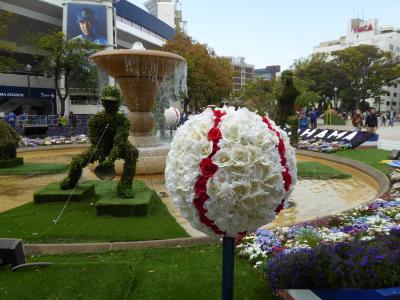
[
  {"x": 9, "y": 140},
  {"x": 108, "y": 135},
  {"x": 286, "y": 112}
]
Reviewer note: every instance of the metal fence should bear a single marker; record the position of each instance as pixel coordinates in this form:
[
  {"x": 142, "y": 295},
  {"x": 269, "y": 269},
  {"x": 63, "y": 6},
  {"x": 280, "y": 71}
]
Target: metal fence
[{"x": 50, "y": 120}]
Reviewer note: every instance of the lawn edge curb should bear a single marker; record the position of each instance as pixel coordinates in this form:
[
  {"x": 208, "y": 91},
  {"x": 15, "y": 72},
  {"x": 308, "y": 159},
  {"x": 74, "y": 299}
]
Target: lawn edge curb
[{"x": 40, "y": 249}]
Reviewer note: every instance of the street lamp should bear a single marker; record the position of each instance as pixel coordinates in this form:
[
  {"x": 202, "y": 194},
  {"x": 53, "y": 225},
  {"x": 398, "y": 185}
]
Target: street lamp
[
  {"x": 335, "y": 89},
  {"x": 28, "y": 69}
]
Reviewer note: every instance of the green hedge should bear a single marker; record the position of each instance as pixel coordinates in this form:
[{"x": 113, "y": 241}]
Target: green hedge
[
  {"x": 9, "y": 140},
  {"x": 54, "y": 193},
  {"x": 110, "y": 204},
  {"x": 11, "y": 163}
]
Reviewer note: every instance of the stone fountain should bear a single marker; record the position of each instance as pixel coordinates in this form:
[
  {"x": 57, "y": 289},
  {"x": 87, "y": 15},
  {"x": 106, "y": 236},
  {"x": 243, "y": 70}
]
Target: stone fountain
[{"x": 138, "y": 72}]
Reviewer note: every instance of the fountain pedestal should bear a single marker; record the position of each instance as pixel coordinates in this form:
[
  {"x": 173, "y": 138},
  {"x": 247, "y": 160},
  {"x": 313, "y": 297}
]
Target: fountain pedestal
[{"x": 137, "y": 73}]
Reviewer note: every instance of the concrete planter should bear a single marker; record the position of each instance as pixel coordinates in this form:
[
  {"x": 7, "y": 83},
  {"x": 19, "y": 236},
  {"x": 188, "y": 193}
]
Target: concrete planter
[{"x": 342, "y": 294}]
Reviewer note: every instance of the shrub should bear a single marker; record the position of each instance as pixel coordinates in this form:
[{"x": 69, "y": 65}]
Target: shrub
[
  {"x": 356, "y": 264},
  {"x": 9, "y": 140}
]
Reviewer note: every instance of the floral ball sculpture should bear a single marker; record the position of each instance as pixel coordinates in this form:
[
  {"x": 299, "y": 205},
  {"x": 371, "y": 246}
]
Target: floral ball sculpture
[
  {"x": 230, "y": 172},
  {"x": 172, "y": 117}
]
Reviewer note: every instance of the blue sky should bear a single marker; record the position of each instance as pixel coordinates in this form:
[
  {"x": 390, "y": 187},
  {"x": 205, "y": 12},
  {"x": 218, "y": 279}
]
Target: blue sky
[{"x": 270, "y": 32}]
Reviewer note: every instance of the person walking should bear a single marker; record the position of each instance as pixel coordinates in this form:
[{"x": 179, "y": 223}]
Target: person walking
[
  {"x": 383, "y": 119},
  {"x": 303, "y": 121},
  {"x": 62, "y": 122},
  {"x": 392, "y": 116},
  {"x": 314, "y": 118},
  {"x": 357, "y": 120},
  {"x": 72, "y": 119},
  {"x": 11, "y": 119},
  {"x": 371, "y": 122}
]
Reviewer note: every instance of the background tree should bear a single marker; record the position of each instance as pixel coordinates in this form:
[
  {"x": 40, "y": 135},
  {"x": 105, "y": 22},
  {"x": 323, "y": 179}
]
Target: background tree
[
  {"x": 308, "y": 99},
  {"x": 320, "y": 76},
  {"x": 209, "y": 76},
  {"x": 66, "y": 59},
  {"x": 7, "y": 62},
  {"x": 367, "y": 70},
  {"x": 261, "y": 95}
]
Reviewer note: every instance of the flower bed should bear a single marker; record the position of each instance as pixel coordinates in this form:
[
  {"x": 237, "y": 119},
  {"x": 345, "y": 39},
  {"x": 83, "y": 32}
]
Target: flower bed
[
  {"x": 353, "y": 265},
  {"x": 318, "y": 145},
  {"x": 53, "y": 140},
  {"x": 364, "y": 223}
]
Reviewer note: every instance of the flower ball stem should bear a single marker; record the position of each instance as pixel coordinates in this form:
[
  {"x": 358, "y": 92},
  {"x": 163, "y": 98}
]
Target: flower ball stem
[{"x": 227, "y": 267}]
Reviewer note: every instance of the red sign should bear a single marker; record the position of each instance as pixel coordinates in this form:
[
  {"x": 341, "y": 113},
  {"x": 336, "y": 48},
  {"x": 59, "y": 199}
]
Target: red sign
[{"x": 363, "y": 28}]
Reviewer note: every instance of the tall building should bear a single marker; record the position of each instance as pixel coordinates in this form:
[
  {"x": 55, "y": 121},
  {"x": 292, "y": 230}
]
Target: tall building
[
  {"x": 119, "y": 23},
  {"x": 167, "y": 11},
  {"x": 268, "y": 72},
  {"x": 243, "y": 73},
  {"x": 367, "y": 32}
]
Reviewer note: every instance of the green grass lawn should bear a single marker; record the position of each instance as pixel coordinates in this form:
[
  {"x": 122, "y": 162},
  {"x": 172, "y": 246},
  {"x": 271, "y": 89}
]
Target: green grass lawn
[
  {"x": 160, "y": 273},
  {"x": 370, "y": 157},
  {"x": 34, "y": 223},
  {"x": 316, "y": 170},
  {"x": 35, "y": 168}
]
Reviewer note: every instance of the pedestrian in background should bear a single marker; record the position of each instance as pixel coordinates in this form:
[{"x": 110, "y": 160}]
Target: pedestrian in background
[
  {"x": 392, "y": 116},
  {"x": 72, "y": 119},
  {"x": 11, "y": 119},
  {"x": 371, "y": 121},
  {"x": 303, "y": 121},
  {"x": 314, "y": 118},
  {"x": 383, "y": 119},
  {"x": 62, "y": 121},
  {"x": 357, "y": 120}
]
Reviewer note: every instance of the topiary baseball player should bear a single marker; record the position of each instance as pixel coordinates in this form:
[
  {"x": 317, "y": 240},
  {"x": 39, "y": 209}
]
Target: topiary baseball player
[
  {"x": 286, "y": 110},
  {"x": 108, "y": 135}
]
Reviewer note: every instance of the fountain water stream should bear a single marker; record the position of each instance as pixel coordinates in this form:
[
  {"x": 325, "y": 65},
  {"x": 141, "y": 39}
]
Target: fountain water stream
[{"x": 138, "y": 73}]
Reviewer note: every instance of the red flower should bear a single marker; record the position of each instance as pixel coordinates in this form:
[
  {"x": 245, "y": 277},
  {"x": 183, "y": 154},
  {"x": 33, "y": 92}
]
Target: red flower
[
  {"x": 281, "y": 148},
  {"x": 214, "y": 134},
  {"x": 215, "y": 149},
  {"x": 200, "y": 206},
  {"x": 207, "y": 167},
  {"x": 287, "y": 179},
  {"x": 218, "y": 113},
  {"x": 280, "y": 206},
  {"x": 200, "y": 186},
  {"x": 217, "y": 121},
  {"x": 277, "y": 249}
]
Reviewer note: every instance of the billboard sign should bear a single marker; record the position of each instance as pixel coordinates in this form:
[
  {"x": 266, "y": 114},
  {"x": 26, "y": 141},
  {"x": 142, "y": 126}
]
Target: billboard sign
[
  {"x": 8, "y": 92},
  {"x": 355, "y": 138},
  {"x": 87, "y": 21},
  {"x": 363, "y": 28}
]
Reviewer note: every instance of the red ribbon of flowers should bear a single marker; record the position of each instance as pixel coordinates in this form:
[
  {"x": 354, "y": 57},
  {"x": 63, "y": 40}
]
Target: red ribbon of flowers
[
  {"x": 208, "y": 169},
  {"x": 287, "y": 178}
]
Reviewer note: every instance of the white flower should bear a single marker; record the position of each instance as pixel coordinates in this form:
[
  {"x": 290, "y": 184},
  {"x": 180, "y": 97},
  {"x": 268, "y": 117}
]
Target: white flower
[
  {"x": 231, "y": 133},
  {"x": 255, "y": 153},
  {"x": 223, "y": 158},
  {"x": 240, "y": 156},
  {"x": 206, "y": 149}
]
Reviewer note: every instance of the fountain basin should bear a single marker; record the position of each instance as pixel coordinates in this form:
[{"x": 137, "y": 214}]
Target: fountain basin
[
  {"x": 150, "y": 64},
  {"x": 313, "y": 198}
]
